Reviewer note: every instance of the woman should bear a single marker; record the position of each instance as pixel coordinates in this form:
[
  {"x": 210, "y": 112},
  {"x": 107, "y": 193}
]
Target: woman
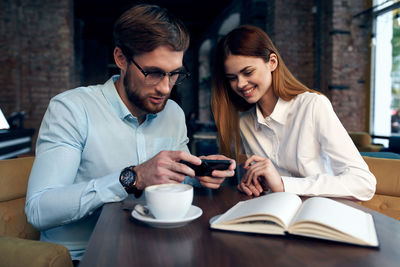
[{"x": 291, "y": 135}]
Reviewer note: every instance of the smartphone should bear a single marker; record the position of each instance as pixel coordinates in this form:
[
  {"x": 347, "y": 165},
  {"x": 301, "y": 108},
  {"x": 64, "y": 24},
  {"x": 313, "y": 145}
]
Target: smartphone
[{"x": 208, "y": 165}]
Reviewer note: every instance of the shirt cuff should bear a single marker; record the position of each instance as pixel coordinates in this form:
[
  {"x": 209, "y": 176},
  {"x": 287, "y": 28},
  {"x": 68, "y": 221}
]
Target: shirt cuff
[
  {"x": 296, "y": 185},
  {"x": 110, "y": 189}
]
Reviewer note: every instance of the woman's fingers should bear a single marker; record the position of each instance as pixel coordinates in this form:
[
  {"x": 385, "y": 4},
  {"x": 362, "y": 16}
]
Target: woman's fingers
[
  {"x": 254, "y": 190},
  {"x": 253, "y": 159},
  {"x": 250, "y": 189},
  {"x": 242, "y": 187},
  {"x": 263, "y": 173},
  {"x": 254, "y": 172}
]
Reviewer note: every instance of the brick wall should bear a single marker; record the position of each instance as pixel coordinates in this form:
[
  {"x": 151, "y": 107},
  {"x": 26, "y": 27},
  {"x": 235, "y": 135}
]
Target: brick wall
[
  {"x": 327, "y": 48},
  {"x": 348, "y": 82},
  {"x": 36, "y": 55},
  {"x": 293, "y": 36}
]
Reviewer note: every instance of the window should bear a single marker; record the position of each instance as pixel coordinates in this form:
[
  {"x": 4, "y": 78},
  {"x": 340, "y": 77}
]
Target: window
[{"x": 385, "y": 68}]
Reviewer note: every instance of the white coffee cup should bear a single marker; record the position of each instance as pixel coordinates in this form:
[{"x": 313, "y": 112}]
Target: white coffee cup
[{"x": 169, "y": 201}]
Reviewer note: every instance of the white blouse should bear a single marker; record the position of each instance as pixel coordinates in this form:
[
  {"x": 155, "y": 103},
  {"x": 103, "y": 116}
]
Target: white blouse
[{"x": 309, "y": 147}]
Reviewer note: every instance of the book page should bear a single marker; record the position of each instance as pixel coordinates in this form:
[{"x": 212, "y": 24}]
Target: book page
[
  {"x": 346, "y": 220},
  {"x": 283, "y": 206}
]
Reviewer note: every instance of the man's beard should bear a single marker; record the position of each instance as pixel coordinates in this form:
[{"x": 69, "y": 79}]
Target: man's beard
[{"x": 140, "y": 102}]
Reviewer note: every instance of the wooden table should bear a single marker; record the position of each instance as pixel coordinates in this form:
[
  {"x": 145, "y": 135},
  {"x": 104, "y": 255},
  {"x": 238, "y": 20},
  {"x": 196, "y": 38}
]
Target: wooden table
[{"x": 120, "y": 240}]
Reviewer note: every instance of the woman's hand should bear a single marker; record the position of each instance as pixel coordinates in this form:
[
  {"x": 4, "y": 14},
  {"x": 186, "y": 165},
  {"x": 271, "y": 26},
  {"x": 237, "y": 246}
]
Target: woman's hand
[
  {"x": 261, "y": 174},
  {"x": 251, "y": 189}
]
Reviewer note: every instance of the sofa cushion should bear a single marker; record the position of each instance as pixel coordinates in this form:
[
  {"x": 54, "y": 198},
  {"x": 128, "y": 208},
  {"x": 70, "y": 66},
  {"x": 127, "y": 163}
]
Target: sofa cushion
[
  {"x": 363, "y": 142},
  {"x": 387, "y": 175},
  {"x": 360, "y": 139},
  {"x": 21, "y": 252},
  {"x": 14, "y": 172},
  {"x": 387, "y": 205},
  {"x": 14, "y": 175},
  {"x": 387, "y": 196},
  {"x": 13, "y": 220}
]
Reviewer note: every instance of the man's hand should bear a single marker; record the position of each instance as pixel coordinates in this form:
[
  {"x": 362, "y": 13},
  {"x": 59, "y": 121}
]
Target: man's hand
[
  {"x": 218, "y": 176},
  {"x": 165, "y": 168}
]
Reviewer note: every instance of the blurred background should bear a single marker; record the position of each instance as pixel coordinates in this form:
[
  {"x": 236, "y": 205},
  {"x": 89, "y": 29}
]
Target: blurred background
[{"x": 348, "y": 50}]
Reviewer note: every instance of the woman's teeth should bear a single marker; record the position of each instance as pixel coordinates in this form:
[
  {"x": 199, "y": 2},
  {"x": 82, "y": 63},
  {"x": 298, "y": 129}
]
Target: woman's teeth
[{"x": 246, "y": 92}]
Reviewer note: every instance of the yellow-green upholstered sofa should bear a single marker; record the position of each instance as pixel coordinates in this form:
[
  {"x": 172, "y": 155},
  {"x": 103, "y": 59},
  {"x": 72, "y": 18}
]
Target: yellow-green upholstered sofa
[
  {"x": 19, "y": 241},
  {"x": 363, "y": 142},
  {"x": 387, "y": 196}
]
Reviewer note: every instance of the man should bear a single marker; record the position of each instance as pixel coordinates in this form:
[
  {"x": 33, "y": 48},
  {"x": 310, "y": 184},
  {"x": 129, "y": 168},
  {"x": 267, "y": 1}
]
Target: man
[{"x": 96, "y": 144}]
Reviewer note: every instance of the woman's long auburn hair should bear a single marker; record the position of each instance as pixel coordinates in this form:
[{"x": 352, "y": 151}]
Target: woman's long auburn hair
[{"x": 250, "y": 41}]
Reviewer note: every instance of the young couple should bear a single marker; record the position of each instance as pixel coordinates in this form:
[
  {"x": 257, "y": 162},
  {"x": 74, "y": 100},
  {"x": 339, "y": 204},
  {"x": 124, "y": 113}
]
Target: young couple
[{"x": 96, "y": 144}]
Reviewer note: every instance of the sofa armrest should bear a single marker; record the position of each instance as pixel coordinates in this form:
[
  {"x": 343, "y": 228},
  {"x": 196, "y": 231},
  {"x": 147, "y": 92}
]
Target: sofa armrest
[
  {"x": 387, "y": 175},
  {"x": 22, "y": 252}
]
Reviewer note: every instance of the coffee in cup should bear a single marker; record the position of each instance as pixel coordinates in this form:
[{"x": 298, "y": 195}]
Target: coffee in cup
[{"x": 169, "y": 201}]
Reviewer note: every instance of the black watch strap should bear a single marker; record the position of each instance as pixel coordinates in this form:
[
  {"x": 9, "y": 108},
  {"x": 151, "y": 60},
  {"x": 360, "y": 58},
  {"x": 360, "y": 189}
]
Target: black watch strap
[{"x": 128, "y": 180}]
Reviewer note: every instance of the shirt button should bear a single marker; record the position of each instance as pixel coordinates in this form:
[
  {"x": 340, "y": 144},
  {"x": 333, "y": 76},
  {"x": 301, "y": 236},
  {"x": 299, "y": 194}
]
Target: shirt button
[{"x": 117, "y": 198}]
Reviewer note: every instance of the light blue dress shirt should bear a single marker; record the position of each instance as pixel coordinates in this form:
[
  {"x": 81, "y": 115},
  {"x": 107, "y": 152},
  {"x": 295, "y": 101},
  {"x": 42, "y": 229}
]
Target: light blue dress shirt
[{"x": 86, "y": 138}]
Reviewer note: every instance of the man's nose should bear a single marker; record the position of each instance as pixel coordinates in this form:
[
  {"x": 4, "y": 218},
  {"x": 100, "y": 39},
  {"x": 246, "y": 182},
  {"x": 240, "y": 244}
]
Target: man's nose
[{"x": 164, "y": 86}]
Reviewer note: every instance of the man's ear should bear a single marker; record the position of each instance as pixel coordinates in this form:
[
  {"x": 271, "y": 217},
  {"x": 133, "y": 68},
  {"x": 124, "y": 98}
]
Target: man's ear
[
  {"x": 120, "y": 59},
  {"x": 273, "y": 62}
]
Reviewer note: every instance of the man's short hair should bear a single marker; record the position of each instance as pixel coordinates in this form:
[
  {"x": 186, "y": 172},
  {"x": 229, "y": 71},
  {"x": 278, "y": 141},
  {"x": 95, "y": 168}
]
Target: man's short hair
[{"x": 143, "y": 28}]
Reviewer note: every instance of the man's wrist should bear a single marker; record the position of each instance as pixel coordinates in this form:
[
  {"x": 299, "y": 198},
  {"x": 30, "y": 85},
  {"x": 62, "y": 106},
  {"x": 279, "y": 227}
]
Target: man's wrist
[{"x": 129, "y": 180}]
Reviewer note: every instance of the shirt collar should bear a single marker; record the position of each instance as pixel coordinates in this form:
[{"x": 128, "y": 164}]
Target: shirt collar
[
  {"x": 279, "y": 114},
  {"x": 110, "y": 93}
]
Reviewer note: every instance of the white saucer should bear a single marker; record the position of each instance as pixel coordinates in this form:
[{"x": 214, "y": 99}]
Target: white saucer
[{"x": 193, "y": 213}]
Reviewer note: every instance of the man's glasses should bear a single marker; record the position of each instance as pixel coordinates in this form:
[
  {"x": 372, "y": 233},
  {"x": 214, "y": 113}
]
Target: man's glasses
[{"x": 156, "y": 76}]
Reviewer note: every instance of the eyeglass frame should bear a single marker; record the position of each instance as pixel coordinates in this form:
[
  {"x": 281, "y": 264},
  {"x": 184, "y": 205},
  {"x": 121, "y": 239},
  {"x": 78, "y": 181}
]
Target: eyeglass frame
[{"x": 163, "y": 73}]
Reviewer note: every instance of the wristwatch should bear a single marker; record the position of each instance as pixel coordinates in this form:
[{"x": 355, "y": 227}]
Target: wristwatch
[{"x": 128, "y": 181}]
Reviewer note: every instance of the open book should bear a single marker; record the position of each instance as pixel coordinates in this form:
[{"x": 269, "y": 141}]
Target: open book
[{"x": 318, "y": 217}]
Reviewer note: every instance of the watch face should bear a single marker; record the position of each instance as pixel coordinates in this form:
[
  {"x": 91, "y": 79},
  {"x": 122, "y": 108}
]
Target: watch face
[{"x": 127, "y": 179}]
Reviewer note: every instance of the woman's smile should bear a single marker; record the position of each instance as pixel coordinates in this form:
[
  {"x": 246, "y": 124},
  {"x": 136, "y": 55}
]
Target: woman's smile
[{"x": 248, "y": 92}]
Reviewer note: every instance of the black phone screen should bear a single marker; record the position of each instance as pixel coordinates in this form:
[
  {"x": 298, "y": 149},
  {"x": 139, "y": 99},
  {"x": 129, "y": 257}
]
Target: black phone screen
[{"x": 207, "y": 166}]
